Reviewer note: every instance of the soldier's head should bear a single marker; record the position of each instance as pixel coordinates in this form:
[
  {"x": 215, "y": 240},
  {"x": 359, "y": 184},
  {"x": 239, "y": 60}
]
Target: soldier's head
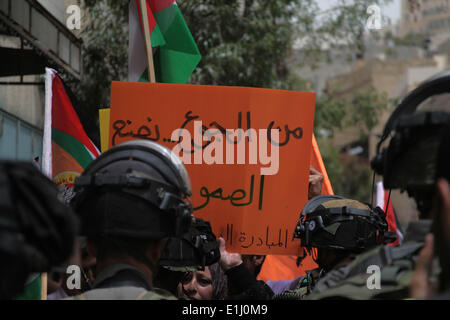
[
  {"x": 197, "y": 249},
  {"x": 408, "y": 162},
  {"x": 441, "y": 210},
  {"x": 339, "y": 227},
  {"x": 37, "y": 231},
  {"x": 129, "y": 199}
]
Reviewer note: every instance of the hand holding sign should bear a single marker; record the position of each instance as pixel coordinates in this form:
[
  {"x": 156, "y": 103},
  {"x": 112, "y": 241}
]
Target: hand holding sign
[
  {"x": 228, "y": 260},
  {"x": 315, "y": 183}
]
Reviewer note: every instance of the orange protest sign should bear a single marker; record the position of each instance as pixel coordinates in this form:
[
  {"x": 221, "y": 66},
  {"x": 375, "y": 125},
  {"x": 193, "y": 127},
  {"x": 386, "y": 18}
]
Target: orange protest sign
[{"x": 247, "y": 152}]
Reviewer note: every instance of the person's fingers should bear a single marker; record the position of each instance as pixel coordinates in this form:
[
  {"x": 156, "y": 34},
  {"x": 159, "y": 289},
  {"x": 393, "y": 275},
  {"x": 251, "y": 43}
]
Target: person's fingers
[
  {"x": 312, "y": 170},
  {"x": 228, "y": 260},
  {"x": 225, "y": 257},
  {"x": 223, "y": 261},
  {"x": 314, "y": 174},
  {"x": 222, "y": 247},
  {"x": 316, "y": 179},
  {"x": 315, "y": 183}
]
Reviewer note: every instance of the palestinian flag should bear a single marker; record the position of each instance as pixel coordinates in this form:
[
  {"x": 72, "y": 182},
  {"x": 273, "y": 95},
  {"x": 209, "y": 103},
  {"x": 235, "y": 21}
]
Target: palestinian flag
[
  {"x": 67, "y": 149},
  {"x": 175, "y": 53}
]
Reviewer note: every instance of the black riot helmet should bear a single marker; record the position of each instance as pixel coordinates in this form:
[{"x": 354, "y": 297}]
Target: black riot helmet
[
  {"x": 409, "y": 161},
  {"x": 196, "y": 249},
  {"x": 37, "y": 230},
  {"x": 333, "y": 222},
  {"x": 138, "y": 189}
]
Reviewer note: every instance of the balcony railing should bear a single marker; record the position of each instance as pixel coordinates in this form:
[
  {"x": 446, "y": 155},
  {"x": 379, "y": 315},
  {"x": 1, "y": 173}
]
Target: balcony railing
[{"x": 52, "y": 42}]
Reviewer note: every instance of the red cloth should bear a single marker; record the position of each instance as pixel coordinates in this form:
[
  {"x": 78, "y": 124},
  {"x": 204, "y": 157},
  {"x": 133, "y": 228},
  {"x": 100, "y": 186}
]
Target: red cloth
[{"x": 392, "y": 222}]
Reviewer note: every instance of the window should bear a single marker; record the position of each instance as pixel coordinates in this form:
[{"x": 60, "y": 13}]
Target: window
[{"x": 18, "y": 139}]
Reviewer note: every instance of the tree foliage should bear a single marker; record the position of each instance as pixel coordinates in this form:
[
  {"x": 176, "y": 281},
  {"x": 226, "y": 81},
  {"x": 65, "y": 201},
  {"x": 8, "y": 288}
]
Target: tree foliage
[
  {"x": 105, "y": 51},
  {"x": 242, "y": 42},
  {"x": 346, "y": 24},
  {"x": 361, "y": 111},
  {"x": 245, "y": 43},
  {"x": 350, "y": 175}
]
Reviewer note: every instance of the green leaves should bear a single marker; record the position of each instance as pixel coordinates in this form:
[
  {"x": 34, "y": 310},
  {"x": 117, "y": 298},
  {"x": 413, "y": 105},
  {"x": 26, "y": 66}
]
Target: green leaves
[
  {"x": 105, "y": 51},
  {"x": 362, "y": 111},
  {"x": 242, "y": 43},
  {"x": 349, "y": 175}
]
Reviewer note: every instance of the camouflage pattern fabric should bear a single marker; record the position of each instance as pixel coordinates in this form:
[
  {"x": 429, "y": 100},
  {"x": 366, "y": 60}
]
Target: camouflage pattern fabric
[{"x": 125, "y": 293}]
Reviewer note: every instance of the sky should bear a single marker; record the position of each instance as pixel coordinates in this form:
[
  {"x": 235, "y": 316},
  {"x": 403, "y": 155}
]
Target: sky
[{"x": 392, "y": 10}]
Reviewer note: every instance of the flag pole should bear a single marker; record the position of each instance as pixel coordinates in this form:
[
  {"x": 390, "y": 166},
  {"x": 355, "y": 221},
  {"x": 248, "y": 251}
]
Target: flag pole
[
  {"x": 44, "y": 282},
  {"x": 47, "y": 149},
  {"x": 148, "y": 44}
]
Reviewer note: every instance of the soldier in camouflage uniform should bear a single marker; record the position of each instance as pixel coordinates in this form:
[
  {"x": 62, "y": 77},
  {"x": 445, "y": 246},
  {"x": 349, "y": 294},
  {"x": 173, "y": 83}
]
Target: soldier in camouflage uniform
[
  {"x": 129, "y": 199},
  {"x": 339, "y": 229},
  {"x": 438, "y": 243},
  {"x": 408, "y": 163}
]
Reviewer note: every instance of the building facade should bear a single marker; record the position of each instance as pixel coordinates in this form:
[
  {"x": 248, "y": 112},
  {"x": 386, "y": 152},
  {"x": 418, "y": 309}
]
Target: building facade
[
  {"x": 427, "y": 17},
  {"x": 33, "y": 35}
]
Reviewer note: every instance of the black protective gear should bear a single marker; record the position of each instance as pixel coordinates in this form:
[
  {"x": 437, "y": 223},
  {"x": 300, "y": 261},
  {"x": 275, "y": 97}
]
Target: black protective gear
[
  {"x": 198, "y": 248},
  {"x": 37, "y": 231},
  {"x": 409, "y": 162},
  {"x": 138, "y": 189}
]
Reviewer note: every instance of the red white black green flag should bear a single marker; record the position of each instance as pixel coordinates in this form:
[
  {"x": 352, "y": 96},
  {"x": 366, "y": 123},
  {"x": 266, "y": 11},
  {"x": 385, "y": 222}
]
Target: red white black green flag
[
  {"x": 67, "y": 149},
  {"x": 176, "y": 54}
]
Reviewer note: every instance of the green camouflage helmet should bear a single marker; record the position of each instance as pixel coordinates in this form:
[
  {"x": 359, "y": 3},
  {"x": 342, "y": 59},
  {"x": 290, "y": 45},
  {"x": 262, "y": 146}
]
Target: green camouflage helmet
[{"x": 337, "y": 223}]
